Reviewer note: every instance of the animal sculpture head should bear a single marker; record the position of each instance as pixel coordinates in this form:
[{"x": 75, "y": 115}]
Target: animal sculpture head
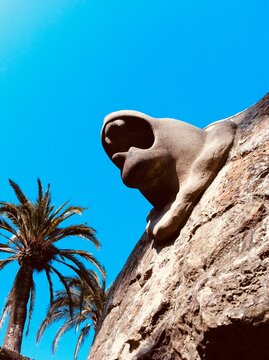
[{"x": 171, "y": 162}]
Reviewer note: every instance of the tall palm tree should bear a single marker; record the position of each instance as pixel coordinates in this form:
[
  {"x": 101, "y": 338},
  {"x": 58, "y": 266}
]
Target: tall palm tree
[
  {"x": 88, "y": 298},
  {"x": 32, "y": 230}
]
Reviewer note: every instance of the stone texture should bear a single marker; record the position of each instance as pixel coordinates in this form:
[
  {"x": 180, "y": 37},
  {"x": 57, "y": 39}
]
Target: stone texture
[
  {"x": 6, "y": 354},
  {"x": 205, "y": 296}
]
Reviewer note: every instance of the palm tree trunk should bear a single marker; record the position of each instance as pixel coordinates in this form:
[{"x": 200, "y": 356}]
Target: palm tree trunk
[{"x": 19, "y": 299}]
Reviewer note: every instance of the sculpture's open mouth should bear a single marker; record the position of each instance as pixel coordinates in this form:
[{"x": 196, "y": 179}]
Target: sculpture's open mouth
[{"x": 123, "y": 133}]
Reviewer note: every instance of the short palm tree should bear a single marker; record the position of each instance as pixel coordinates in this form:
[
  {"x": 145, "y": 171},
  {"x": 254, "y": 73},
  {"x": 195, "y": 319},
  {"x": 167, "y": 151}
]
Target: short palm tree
[
  {"x": 88, "y": 298},
  {"x": 32, "y": 230}
]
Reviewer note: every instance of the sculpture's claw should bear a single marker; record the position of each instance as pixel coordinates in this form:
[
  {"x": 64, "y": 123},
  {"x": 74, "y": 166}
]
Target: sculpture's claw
[{"x": 162, "y": 225}]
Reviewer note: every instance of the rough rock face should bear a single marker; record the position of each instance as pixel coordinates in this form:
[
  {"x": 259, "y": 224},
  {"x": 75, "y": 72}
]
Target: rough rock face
[
  {"x": 6, "y": 354},
  {"x": 205, "y": 296}
]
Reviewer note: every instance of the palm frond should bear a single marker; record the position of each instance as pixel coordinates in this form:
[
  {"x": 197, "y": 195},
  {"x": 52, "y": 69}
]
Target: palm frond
[
  {"x": 51, "y": 317},
  {"x": 88, "y": 298},
  {"x": 19, "y": 225},
  {"x": 19, "y": 193},
  {"x": 81, "y": 297},
  {"x": 47, "y": 200},
  {"x": 18, "y": 241},
  {"x": 27, "y": 223},
  {"x": 40, "y": 192},
  {"x": 6, "y": 248},
  {"x": 65, "y": 284},
  {"x": 84, "y": 332},
  {"x": 11, "y": 211},
  {"x": 4, "y": 262},
  {"x": 85, "y": 255},
  {"x": 47, "y": 269},
  {"x": 6, "y": 309},
  {"x": 68, "y": 212},
  {"x": 81, "y": 271},
  {"x": 31, "y": 306},
  {"x": 81, "y": 230},
  {"x": 6, "y": 226},
  {"x": 58, "y": 210},
  {"x": 52, "y": 224},
  {"x": 63, "y": 329}
]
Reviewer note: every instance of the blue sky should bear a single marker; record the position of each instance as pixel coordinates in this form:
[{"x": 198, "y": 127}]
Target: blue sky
[{"x": 65, "y": 64}]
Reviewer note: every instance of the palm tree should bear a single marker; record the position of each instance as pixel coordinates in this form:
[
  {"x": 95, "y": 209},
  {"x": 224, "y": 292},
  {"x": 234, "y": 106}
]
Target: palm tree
[
  {"x": 32, "y": 230},
  {"x": 88, "y": 298}
]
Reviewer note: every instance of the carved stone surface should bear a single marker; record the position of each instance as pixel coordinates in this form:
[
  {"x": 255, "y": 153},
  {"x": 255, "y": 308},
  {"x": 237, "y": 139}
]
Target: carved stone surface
[
  {"x": 207, "y": 295},
  {"x": 169, "y": 161}
]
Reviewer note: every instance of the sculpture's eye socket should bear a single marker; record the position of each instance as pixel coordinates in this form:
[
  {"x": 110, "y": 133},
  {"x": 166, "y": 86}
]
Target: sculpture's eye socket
[{"x": 121, "y": 134}]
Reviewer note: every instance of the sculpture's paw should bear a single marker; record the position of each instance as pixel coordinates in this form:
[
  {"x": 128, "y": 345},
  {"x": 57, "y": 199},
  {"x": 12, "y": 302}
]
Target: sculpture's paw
[{"x": 163, "y": 226}]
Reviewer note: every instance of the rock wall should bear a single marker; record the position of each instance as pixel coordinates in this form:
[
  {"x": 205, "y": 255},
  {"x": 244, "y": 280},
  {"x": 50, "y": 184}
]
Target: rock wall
[
  {"x": 6, "y": 354},
  {"x": 206, "y": 296}
]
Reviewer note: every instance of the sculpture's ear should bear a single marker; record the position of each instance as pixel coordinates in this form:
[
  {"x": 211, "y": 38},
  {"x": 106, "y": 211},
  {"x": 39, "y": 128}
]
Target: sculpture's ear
[{"x": 125, "y": 129}]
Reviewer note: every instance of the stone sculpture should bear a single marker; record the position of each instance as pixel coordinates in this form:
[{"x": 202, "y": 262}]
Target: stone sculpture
[{"x": 171, "y": 162}]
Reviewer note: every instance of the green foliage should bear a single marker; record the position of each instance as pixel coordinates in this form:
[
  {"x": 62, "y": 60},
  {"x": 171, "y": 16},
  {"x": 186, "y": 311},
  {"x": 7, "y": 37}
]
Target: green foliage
[
  {"x": 31, "y": 233},
  {"x": 88, "y": 296}
]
